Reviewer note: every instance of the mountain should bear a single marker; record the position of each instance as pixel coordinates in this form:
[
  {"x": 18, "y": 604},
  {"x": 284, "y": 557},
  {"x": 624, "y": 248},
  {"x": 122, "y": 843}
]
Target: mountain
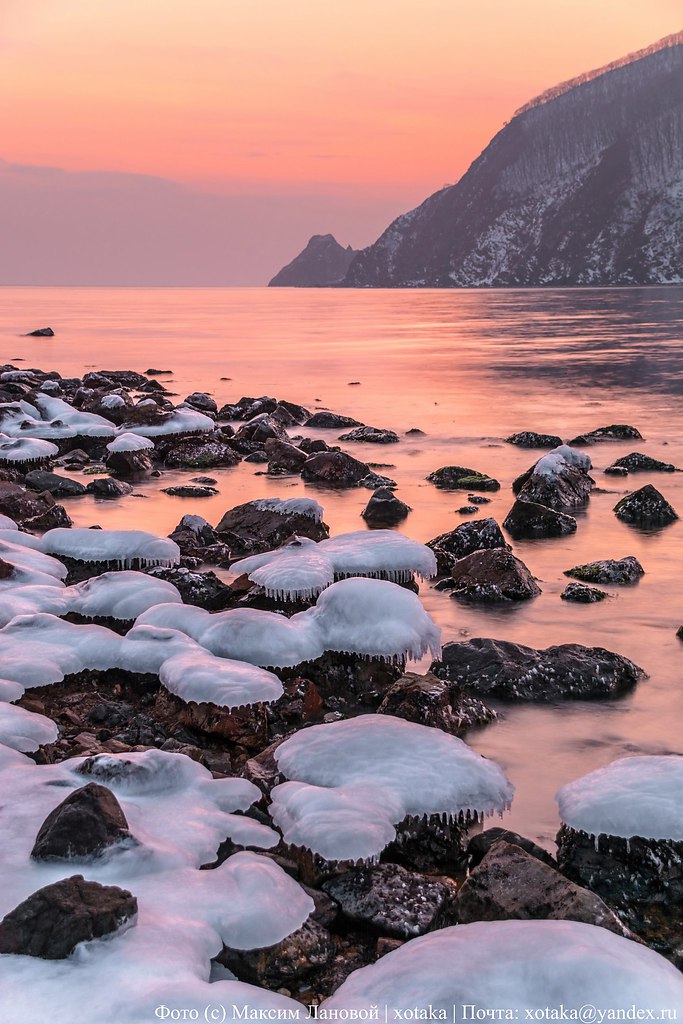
[
  {"x": 323, "y": 262},
  {"x": 584, "y": 186}
]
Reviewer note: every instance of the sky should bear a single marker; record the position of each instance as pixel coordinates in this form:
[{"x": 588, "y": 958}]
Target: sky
[{"x": 159, "y": 142}]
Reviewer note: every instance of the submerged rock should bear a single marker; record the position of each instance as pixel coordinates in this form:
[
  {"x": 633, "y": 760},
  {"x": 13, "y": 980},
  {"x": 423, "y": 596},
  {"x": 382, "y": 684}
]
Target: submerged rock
[
  {"x": 581, "y": 594},
  {"x": 645, "y": 507},
  {"x": 608, "y": 570},
  {"x": 527, "y": 519},
  {"x": 336, "y": 469},
  {"x": 499, "y": 668},
  {"x": 464, "y": 540},
  {"x": 385, "y": 509},
  {"x": 615, "y": 432},
  {"x": 461, "y": 478},
  {"x": 53, "y": 920},
  {"x": 108, "y": 487},
  {"x": 530, "y": 439},
  {"x": 41, "y": 332},
  {"x": 371, "y": 435},
  {"x": 251, "y": 528},
  {"x": 493, "y": 575},
  {"x": 636, "y": 461},
  {"x": 190, "y": 491},
  {"x": 86, "y": 823},
  {"x": 331, "y": 420},
  {"x": 440, "y": 703}
]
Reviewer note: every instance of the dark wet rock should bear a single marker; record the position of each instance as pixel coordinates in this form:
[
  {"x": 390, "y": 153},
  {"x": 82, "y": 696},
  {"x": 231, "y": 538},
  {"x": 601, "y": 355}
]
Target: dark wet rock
[
  {"x": 492, "y": 575},
  {"x": 335, "y": 469},
  {"x": 645, "y": 507},
  {"x": 615, "y": 432},
  {"x": 636, "y": 462},
  {"x": 59, "y": 486},
  {"x": 440, "y": 703},
  {"x": 53, "y": 518},
  {"x": 86, "y": 823},
  {"x": 615, "y": 471},
  {"x": 530, "y": 439},
  {"x": 259, "y": 457},
  {"x": 190, "y": 491},
  {"x": 210, "y": 481},
  {"x": 389, "y": 900},
  {"x": 581, "y": 594},
  {"x": 467, "y": 510},
  {"x": 480, "y": 844},
  {"x": 53, "y": 920},
  {"x": 205, "y": 452},
  {"x": 331, "y": 421},
  {"x": 527, "y": 519},
  {"x": 202, "y": 402},
  {"x": 301, "y": 702},
  {"x": 203, "y": 589},
  {"x": 250, "y": 408},
  {"x": 262, "y": 769},
  {"x": 372, "y": 481},
  {"x": 478, "y": 499},
  {"x": 260, "y": 429},
  {"x": 464, "y": 540},
  {"x": 284, "y": 458},
  {"x": 568, "y": 488},
  {"x": 41, "y": 332},
  {"x": 642, "y": 879},
  {"x": 302, "y": 953},
  {"x": 155, "y": 373},
  {"x": 510, "y": 884},
  {"x": 129, "y": 463},
  {"x": 153, "y": 387},
  {"x": 197, "y": 539},
  {"x": 109, "y": 487},
  {"x": 346, "y": 680},
  {"x": 415, "y": 432},
  {"x": 122, "y": 378},
  {"x": 312, "y": 445},
  {"x": 371, "y": 435},
  {"x": 251, "y": 528},
  {"x": 461, "y": 478},
  {"x": 608, "y": 570},
  {"x": 499, "y": 668},
  {"x": 299, "y": 413},
  {"x": 246, "y": 726},
  {"x": 283, "y": 417},
  {"x": 385, "y": 509},
  {"x": 20, "y": 504}
]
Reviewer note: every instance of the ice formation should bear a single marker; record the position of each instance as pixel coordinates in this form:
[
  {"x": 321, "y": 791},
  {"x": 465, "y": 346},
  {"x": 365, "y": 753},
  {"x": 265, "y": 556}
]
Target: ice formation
[
  {"x": 10, "y": 690},
  {"x": 200, "y": 676},
  {"x": 554, "y": 462},
  {"x": 125, "y": 548},
  {"x": 119, "y": 595},
  {"x": 293, "y": 572},
  {"x": 180, "y": 421},
  {"x": 634, "y": 796},
  {"x": 25, "y": 730},
  {"x": 353, "y": 781},
  {"x": 16, "y": 451},
  {"x": 129, "y": 442},
  {"x": 31, "y": 565},
  {"x": 515, "y": 966},
  {"x": 52, "y": 419},
  {"x": 7, "y": 524},
  {"x": 288, "y": 506},
  {"x": 179, "y": 815}
]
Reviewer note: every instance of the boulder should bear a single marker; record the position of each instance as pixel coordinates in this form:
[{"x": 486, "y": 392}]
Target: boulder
[
  {"x": 371, "y": 435},
  {"x": 129, "y": 463},
  {"x": 197, "y": 539},
  {"x": 637, "y": 462},
  {"x": 331, "y": 421},
  {"x": 480, "y": 844},
  {"x": 608, "y": 570},
  {"x": 491, "y": 575},
  {"x": 250, "y": 528},
  {"x": 511, "y": 884},
  {"x": 451, "y": 478},
  {"x": 385, "y": 509},
  {"x": 335, "y": 469},
  {"x": 41, "y": 480},
  {"x": 581, "y": 594},
  {"x": 528, "y": 520},
  {"x": 645, "y": 507},
  {"x": 260, "y": 429},
  {"x": 203, "y": 589},
  {"x": 568, "y": 487},
  {"x": 530, "y": 439},
  {"x": 284, "y": 458},
  {"x": 464, "y": 540},
  {"x": 440, "y": 703},
  {"x": 501, "y": 669},
  {"x": 41, "y": 332},
  {"x": 305, "y": 951},
  {"x": 20, "y": 504},
  {"x": 298, "y": 413},
  {"x": 203, "y": 452},
  {"x": 389, "y": 900},
  {"x": 86, "y": 823},
  {"x": 53, "y": 518},
  {"x": 109, "y": 487},
  {"x": 202, "y": 402},
  {"x": 615, "y": 432},
  {"x": 53, "y": 920},
  {"x": 190, "y": 491}
]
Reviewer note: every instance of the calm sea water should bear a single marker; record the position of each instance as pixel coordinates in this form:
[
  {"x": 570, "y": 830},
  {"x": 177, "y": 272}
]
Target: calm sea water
[{"x": 468, "y": 368}]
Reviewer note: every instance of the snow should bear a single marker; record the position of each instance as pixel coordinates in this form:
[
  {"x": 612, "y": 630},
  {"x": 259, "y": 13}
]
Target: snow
[
  {"x": 201, "y": 677},
  {"x": 25, "y": 450},
  {"x": 123, "y": 547},
  {"x": 573, "y": 456},
  {"x": 515, "y": 966},
  {"x": 129, "y": 442},
  {"x": 112, "y": 402},
  {"x": 634, "y": 796},
  {"x": 289, "y": 506},
  {"x": 352, "y": 781}
]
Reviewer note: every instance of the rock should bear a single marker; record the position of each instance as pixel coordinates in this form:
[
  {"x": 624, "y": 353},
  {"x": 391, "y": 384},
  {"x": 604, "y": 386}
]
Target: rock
[
  {"x": 527, "y": 519},
  {"x": 568, "y": 488},
  {"x": 153, "y": 387},
  {"x": 385, "y": 509},
  {"x": 645, "y": 507},
  {"x": 245, "y": 726},
  {"x": 284, "y": 458},
  {"x": 109, "y": 487},
  {"x": 478, "y": 499},
  {"x": 371, "y": 435},
  {"x": 41, "y": 480},
  {"x": 52, "y": 519},
  {"x": 615, "y": 432},
  {"x": 581, "y": 594},
  {"x": 156, "y": 373},
  {"x": 510, "y": 884},
  {"x": 209, "y": 480},
  {"x": 461, "y": 478},
  {"x": 129, "y": 463},
  {"x": 121, "y": 378},
  {"x": 203, "y": 589},
  {"x": 608, "y": 570},
  {"x": 53, "y": 920},
  {"x": 331, "y": 421},
  {"x": 440, "y": 703},
  {"x": 201, "y": 401},
  {"x": 298, "y": 413},
  {"x": 203, "y": 452},
  {"x": 304, "y": 951},
  {"x": 615, "y": 471},
  {"x": 388, "y": 900},
  {"x": 467, "y": 510},
  {"x": 499, "y": 668},
  {"x": 250, "y": 528},
  {"x": 480, "y": 844},
  {"x": 197, "y": 539},
  {"x": 311, "y": 445},
  {"x": 530, "y": 439},
  {"x": 335, "y": 469},
  {"x": 20, "y": 504},
  {"x": 464, "y": 540},
  {"x": 41, "y": 332},
  {"x": 86, "y": 823},
  {"x": 260, "y": 429},
  {"x": 190, "y": 491},
  {"x": 372, "y": 481},
  {"x": 493, "y": 575},
  {"x": 636, "y": 461}
]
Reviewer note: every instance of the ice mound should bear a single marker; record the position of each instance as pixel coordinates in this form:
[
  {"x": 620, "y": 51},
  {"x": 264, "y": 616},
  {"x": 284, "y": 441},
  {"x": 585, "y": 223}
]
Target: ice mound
[
  {"x": 120, "y": 595},
  {"x": 25, "y": 450},
  {"x": 7, "y": 524},
  {"x": 296, "y": 571},
  {"x": 124, "y": 548},
  {"x": 30, "y": 598},
  {"x": 553, "y": 463},
  {"x": 25, "y": 730},
  {"x": 201, "y": 677},
  {"x": 179, "y": 815},
  {"x": 40, "y": 649},
  {"x": 514, "y": 966},
  {"x": 180, "y": 421},
  {"x": 129, "y": 442},
  {"x": 10, "y": 690},
  {"x": 31, "y": 564},
  {"x": 52, "y": 419},
  {"x": 634, "y": 796},
  {"x": 287, "y": 506},
  {"x": 353, "y": 781}
]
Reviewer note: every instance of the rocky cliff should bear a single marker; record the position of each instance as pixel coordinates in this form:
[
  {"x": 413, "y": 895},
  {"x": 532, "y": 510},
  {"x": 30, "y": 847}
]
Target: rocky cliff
[{"x": 323, "y": 262}]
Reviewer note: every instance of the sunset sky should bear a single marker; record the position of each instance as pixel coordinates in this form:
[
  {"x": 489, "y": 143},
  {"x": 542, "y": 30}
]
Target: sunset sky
[{"x": 149, "y": 141}]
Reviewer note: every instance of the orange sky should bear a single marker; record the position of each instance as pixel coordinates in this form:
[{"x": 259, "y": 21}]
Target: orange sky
[{"x": 356, "y": 100}]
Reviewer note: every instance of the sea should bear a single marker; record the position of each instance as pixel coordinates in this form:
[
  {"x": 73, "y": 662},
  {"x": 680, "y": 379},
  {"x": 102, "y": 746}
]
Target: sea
[{"x": 468, "y": 368}]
